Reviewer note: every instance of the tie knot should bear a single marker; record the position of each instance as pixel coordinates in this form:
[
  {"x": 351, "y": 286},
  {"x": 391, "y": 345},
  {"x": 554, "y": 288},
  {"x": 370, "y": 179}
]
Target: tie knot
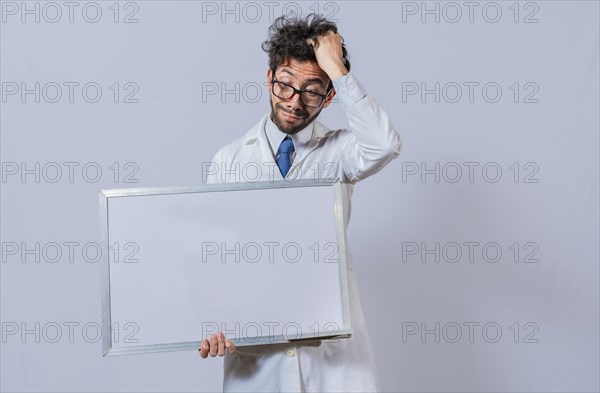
[{"x": 287, "y": 146}]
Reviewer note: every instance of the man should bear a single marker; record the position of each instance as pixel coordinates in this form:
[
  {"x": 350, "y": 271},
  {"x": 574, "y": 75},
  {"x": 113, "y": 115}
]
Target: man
[{"x": 307, "y": 58}]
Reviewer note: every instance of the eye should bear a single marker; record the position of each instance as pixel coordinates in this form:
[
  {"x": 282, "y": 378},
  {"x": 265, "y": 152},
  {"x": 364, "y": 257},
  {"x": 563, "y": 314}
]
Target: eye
[{"x": 312, "y": 90}]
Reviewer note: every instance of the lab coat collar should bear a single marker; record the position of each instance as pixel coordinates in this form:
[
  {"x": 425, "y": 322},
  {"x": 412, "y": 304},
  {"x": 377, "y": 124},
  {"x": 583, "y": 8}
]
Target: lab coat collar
[{"x": 319, "y": 131}]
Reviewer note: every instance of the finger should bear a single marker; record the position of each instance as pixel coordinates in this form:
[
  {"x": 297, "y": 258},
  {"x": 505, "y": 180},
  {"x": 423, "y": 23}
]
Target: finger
[
  {"x": 333, "y": 36},
  {"x": 310, "y": 41},
  {"x": 204, "y": 349},
  {"x": 221, "y": 338},
  {"x": 230, "y": 346},
  {"x": 214, "y": 345}
]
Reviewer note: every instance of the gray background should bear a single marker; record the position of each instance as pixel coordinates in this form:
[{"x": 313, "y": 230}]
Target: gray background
[{"x": 534, "y": 324}]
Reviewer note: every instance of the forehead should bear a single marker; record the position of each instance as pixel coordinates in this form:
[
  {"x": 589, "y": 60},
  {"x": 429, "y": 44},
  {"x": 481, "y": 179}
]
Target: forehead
[{"x": 302, "y": 70}]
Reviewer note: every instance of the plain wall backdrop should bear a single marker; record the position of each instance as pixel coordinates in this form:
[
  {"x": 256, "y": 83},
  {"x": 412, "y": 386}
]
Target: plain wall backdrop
[{"x": 476, "y": 250}]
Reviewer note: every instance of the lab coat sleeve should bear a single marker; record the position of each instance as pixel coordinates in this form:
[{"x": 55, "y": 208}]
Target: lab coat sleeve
[
  {"x": 213, "y": 169},
  {"x": 372, "y": 142}
]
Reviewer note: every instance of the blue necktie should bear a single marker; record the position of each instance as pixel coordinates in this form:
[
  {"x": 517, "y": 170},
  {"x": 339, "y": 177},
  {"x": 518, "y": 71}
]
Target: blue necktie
[{"x": 283, "y": 160}]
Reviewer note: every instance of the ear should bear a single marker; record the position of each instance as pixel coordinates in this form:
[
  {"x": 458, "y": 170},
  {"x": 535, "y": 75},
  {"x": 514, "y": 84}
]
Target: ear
[
  {"x": 269, "y": 75},
  {"x": 329, "y": 98}
]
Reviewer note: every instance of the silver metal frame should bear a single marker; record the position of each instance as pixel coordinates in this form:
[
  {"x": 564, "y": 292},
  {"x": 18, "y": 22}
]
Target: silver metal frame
[{"x": 105, "y": 195}]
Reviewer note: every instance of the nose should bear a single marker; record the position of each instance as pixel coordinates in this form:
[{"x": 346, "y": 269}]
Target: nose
[{"x": 295, "y": 103}]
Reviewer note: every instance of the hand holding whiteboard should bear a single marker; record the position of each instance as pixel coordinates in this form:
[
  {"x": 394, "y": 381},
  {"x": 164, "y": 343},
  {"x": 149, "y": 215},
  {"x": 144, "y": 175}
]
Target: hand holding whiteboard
[{"x": 263, "y": 262}]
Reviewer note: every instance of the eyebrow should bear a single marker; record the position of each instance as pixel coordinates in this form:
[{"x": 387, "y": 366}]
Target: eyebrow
[{"x": 308, "y": 81}]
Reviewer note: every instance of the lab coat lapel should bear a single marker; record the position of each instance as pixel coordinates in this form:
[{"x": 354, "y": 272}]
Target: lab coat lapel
[
  {"x": 319, "y": 132},
  {"x": 258, "y": 151}
]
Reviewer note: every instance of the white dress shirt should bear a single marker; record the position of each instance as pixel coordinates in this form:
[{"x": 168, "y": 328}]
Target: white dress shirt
[{"x": 342, "y": 365}]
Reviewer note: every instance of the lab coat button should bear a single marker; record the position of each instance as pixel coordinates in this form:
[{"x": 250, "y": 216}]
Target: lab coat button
[{"x": 291, "y": 352}]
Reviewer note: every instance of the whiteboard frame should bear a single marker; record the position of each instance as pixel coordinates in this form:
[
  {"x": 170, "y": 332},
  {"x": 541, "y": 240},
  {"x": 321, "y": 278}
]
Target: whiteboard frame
[{"x": 339, "y": 194}]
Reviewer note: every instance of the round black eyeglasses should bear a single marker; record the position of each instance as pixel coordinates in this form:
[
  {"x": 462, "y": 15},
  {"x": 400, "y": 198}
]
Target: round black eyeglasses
[{"x": 308, "y": 97}]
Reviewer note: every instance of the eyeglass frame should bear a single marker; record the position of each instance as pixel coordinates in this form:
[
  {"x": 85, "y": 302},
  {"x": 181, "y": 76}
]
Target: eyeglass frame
[{"x": 299, "y": 92}]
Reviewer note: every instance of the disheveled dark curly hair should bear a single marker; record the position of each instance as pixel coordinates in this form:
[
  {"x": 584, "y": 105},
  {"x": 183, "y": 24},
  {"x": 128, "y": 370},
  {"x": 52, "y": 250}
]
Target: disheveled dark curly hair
[{"x": 287, "y": 39}]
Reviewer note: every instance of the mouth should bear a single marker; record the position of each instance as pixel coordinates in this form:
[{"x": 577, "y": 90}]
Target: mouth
[{"x": 290, "y": 117}]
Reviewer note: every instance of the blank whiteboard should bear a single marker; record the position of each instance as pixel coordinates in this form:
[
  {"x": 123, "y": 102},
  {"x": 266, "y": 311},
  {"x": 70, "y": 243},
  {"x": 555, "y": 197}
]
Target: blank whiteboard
[{"x": 263, "y": 262}]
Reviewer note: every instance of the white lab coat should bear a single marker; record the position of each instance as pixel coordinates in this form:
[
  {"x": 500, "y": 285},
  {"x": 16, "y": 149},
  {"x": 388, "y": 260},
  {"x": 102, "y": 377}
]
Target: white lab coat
[{"x": 351, "y": 155}]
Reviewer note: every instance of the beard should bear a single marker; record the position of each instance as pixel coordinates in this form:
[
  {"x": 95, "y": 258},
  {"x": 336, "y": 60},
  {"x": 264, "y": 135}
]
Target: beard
[{"x": 287, "y": 127}]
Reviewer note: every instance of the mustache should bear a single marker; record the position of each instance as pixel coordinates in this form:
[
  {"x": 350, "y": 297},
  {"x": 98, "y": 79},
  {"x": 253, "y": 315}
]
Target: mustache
[{"x": 302, "y": 114}]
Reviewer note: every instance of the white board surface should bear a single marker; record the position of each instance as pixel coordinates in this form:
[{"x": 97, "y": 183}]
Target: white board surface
[{"x": 263, "y": 265}]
